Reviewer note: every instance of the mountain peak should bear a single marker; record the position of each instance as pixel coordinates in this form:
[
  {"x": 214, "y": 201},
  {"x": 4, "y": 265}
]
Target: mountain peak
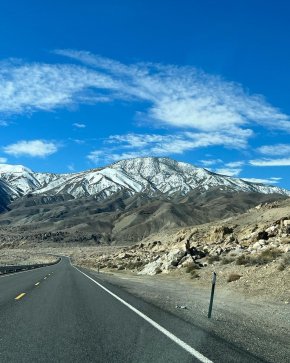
[
  {"x": 8, "y": 168},
  {"x": 150, "y": 175}
]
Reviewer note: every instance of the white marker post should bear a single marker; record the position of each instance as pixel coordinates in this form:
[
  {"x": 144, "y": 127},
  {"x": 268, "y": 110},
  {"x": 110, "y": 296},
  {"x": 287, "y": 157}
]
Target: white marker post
[{"x": 212, "y": 294}]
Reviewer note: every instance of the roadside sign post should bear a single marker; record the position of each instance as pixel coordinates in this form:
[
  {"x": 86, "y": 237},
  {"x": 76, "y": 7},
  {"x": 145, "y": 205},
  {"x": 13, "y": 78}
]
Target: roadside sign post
[
  {"x": 211, "y": 295},
  {"x": 98, "y": 268}
]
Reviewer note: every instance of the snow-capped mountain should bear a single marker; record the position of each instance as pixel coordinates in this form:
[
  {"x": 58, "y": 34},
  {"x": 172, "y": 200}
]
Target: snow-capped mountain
[{"x": 148, "y": 175}]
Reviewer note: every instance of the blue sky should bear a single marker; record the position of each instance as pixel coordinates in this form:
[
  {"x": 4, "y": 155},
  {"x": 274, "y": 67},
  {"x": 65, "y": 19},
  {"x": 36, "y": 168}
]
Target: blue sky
[{"x": 86, "y": 83}]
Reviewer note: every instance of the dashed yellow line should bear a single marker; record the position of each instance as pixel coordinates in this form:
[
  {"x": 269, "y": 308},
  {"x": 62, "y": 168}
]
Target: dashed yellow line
[
  {"x": 37, "y": 283},
  {"x": 20, "y": 296}
]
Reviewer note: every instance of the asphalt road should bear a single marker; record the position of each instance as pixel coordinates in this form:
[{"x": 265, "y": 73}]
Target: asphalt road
[{"x": 62, "y": 314}]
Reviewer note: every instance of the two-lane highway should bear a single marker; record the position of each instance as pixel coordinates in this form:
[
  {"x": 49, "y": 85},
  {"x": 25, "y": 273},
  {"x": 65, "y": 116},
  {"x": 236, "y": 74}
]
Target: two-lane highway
[{"x": 62, "y": 314}]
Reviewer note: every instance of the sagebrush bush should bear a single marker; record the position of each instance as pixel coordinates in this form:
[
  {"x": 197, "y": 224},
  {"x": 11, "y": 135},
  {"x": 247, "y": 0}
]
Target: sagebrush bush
[
  {"x": 233, "y": 277},
  {"x": 262, "y": 258},
  {"x": 285, "y": 262},
  {"x": 191, "y": 268},
  {"x": 194, "y": 274},
  {"x": 133, "y": 265},
  {"x": 227, "y": 260},
  {"x": 213, "y": 258}
]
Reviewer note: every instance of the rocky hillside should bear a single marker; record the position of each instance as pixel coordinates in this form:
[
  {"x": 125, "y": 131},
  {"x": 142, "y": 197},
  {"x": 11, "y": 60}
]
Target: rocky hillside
[
  {"x": 119, "y": 204},
  {"x": 256, "y": 237},
  {"x": 121, "y": 219},
  {"x": 251, "y": 252}
]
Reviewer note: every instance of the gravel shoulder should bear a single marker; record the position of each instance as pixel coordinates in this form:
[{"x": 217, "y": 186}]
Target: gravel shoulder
[{"x": 260, "y": 326}]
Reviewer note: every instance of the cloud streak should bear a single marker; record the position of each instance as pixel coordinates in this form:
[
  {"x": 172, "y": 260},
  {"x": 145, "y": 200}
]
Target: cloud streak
[
  {"x": 181, "y": 97},
  {"x": 271, "y": 162},
  {"x": 275, "y": 150},
  {"x": 33, "y": 148}
]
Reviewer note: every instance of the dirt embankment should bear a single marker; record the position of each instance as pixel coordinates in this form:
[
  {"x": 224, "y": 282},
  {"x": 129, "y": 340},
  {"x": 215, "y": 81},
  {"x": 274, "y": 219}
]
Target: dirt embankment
[{"x": 24, "y": 257}]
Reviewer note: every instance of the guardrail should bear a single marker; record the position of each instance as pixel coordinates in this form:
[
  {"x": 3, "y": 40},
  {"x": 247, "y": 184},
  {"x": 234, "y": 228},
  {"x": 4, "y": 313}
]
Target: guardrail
[{"x": 10, "y": 269}]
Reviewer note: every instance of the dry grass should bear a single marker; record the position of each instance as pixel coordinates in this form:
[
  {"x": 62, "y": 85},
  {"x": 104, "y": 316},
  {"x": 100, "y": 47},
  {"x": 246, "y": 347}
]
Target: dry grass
[{"x": 262, "y": 258}]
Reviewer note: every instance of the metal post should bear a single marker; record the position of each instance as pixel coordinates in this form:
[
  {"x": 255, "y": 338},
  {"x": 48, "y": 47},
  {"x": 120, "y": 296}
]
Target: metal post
[
  {"x": 211, "y": 295},
  {"x": 98, "y": 268}
]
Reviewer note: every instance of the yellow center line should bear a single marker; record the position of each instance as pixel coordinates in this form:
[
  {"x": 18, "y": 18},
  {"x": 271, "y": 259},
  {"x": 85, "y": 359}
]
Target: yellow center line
[
  {"x": 20, "y": 296},
  {"x": 37, "y": 283}
]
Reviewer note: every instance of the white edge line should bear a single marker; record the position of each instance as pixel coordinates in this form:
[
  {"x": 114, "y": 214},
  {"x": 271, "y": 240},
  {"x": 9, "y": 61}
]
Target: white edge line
[{"x": 171, "y": 336}]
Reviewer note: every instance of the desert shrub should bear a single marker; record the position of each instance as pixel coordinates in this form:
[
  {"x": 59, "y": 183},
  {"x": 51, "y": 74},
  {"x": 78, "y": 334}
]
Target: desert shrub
[
  {"x": 266, "y": 256},
  {"x": 191, "y": 268},
  {"x": 213, "y": 258},
  {"x": 133, "y": 265},
  {"x": 285, "y": 262},
  {"x": 233, "y": 277},
  {"x": 242, "y": 260},
  {"x": 227, "y": 260},
  {"x": 194, "y": 274},
  {"x": 262, "y": 258}
]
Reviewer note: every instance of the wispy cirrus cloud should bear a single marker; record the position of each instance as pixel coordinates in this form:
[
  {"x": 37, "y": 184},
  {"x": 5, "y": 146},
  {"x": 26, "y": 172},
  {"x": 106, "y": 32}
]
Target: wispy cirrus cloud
[
  {"x": 235, "y": 164},
  {"x": 3, "y": 160},
  {"x": 33, "y": 148},
  {"x": 187, "y": 97},
  {"x": 275, "y": 150},
  {"x": 270, "y": 162},
  {"x": 263, "y": 181},
  {"x": 210, "y": 162},
  {"x": 39, "y": 86},
  {"x": 178, "y": 97},
  {"x": 229, "y": 171},
  {"x": 133, "y": 145},
  {"x": 79, "y": 125}
]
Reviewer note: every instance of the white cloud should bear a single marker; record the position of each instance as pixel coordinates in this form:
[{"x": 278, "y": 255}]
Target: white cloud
[
  {"x": 275, "y": 150},
  {"x": 171, "y": 144},
  {"x": 271, "y": 162},
  {"x": 34, "y": 148},
  {"x": 79, "y": 125},
  {"x": 228, "y": 171},
  {"x": 40, "y": 86},
  {"x": 210, "y": 162},
  {"x": 96, "y": 156},
  {"x": 181, "y": 97},
  {"x": 3, "y": 160},
  {"x": 3, "y": 123},
  {"x": 78, "y": 141},
  {"x": 262, "y": 181},
  {"x": 71, "y": 167},
  {"x": 235, "y": 164}
]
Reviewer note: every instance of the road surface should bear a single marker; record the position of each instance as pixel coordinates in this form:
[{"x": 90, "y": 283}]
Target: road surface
[{"x": 62, "y": 314}]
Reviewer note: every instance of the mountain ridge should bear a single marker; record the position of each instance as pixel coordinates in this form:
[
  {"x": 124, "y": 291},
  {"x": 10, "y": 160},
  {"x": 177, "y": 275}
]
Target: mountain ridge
[{"x": 151, "y": 175}]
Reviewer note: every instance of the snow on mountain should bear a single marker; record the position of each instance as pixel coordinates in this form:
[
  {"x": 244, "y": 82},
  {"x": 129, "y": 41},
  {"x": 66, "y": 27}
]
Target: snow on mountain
[{"x": 149, "y": 175}]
